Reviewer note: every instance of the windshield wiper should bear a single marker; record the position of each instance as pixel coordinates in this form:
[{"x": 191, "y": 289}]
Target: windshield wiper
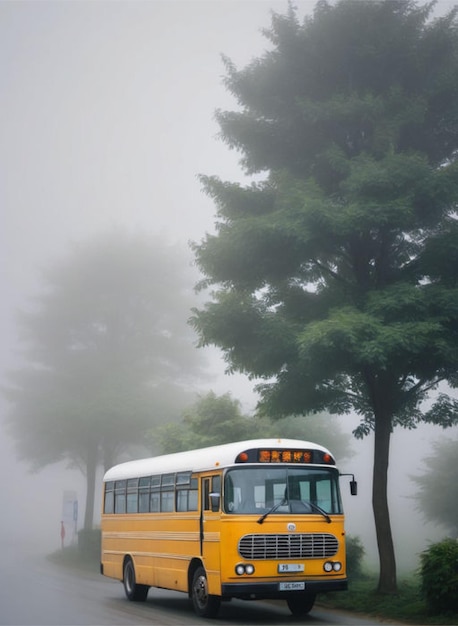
[
  {"x": 318, "y": 509},
  {"x": 272, "y": 510},
  {"x": 312, "y": 505}
]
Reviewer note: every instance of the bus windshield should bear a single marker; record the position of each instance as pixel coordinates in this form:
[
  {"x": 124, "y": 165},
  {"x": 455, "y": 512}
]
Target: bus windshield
[{"x": 280, "y": 490}]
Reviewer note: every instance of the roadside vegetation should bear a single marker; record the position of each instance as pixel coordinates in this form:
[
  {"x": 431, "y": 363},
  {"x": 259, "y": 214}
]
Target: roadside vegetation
[
  {"x": 407, "y": 606},
  {"x": 84, "y": 556},
  {"x": 73, "y": 558},
  {"x": 428, "y": 596}
]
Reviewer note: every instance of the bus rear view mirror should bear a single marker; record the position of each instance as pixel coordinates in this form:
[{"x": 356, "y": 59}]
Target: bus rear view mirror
[
  {"x": 353, "y": 484},
  {"x": 215, "y": 499}
]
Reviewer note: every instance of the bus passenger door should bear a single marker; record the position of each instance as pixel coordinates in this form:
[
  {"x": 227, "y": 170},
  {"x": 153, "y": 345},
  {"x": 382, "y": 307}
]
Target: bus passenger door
[{"x": 210, "y": 522}]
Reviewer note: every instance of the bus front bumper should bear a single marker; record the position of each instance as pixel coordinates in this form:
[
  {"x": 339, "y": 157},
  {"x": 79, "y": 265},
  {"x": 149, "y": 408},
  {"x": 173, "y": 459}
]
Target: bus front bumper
[{"x": 263, "y": 591}]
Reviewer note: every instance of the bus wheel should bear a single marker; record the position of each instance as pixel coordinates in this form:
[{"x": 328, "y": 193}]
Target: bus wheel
[
  {"x": 205, "y": 605},
  {"x": 301, "y": 605},
  {"x": 134, "y": 592}
]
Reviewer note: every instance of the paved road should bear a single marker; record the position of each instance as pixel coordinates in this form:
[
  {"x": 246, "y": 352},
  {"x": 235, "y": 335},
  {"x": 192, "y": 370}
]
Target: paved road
[{"x": 34, "y": 592}]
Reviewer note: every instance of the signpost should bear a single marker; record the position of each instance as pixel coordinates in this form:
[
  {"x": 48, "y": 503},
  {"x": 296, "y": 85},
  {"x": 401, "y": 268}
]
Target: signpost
[{"x": 69, "y": 523}]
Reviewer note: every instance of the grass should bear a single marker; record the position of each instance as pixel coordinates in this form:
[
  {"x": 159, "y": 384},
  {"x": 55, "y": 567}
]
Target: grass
[
  {"x": 75, "y": 558},
  {"x": 406, "y": 606}
]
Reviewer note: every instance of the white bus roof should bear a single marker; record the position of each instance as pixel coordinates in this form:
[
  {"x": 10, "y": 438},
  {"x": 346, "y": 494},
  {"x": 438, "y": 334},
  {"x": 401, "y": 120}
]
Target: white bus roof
[{"x": 202, "y": 459}]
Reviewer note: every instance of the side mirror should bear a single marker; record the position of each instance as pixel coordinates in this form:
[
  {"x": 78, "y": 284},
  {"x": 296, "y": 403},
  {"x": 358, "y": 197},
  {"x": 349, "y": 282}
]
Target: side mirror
[
  {"x": 215, "y": 501},
  {"x": 353, "y": 484}
]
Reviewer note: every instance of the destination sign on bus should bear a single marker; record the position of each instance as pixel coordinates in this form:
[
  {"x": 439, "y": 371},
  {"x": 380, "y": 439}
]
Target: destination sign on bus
[
  {"x": 285, "y": 456},
  {"x": 282, "y": 455}
]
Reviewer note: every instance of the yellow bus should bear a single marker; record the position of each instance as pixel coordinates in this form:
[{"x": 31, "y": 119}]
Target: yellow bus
[{"x": 253, "y": 520}]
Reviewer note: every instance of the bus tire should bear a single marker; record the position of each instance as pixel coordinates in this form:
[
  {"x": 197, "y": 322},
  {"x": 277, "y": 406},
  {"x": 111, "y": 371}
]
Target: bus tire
[
  {"x": 205, "y": 605},
  {"x": 302, "y": 604},
  {"x": 134, "y": 592}
]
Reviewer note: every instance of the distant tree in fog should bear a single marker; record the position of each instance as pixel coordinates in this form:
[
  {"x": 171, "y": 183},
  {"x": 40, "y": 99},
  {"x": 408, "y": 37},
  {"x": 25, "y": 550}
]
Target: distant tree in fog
[
  {"x": 107, "y": 353},
  {"x": 333, "y": 274},
  {"x": 213, "y": 420},
  {"x": 323, "y": 428},
  {"x": 209, "y": 421},
  {"x": 437, "y": 494}
]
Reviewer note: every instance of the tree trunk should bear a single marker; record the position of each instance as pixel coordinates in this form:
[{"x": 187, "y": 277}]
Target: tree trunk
[
  {"x": 387, "y": 578},
  {"x": 91, "y": 468}
]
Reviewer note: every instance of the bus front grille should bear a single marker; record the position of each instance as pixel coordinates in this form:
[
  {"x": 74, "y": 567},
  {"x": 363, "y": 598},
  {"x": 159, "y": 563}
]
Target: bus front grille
[{"x": 291, "y": 546}]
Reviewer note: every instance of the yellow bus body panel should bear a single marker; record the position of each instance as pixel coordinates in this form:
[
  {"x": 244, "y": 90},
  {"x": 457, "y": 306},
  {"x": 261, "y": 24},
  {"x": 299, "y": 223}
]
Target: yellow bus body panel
[{"x": 162, "y": 546}]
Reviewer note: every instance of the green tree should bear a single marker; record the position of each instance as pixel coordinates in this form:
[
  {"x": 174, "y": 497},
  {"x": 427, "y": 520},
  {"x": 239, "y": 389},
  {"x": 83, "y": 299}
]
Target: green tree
[
  {"x": 325, "y": 282},
  {"x": 107, "y": 352},
  {"x": 213, "y": 420},
  {"x": 437, "y": 493},
  {"x": 209, "y": 421},
  {"x": 439, "y": 577},
  {"x": 323, "y": 429}
]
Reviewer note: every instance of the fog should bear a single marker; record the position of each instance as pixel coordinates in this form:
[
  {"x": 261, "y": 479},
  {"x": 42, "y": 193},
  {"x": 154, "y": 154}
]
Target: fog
[
  {"x": 411, "y": 533},
  {"x": 107, "y": 119}
]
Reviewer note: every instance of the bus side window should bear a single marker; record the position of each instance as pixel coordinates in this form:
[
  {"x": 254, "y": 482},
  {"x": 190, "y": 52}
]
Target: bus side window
[
  {"x": 143, "y": 494},
  {"x": 186, "y": 496},
  {"x": 193, "y": 497},
  {"x": 109, "y": 497},
  {"x": 210, "y": 485},
  {"x": 215, "y": 494},
  {"x": 167, "y": 492},
  {"x": 216, "y": 484},
  {"x": 120, "y": 496},
  {"x": 155, "y": 502},
  {"x": 132, "y": 495},
  {"x": 206, "y": 494}
]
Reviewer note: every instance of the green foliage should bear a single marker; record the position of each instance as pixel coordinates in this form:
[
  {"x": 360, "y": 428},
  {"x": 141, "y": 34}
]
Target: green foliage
[
  {"x": 213, "y": 420},
  {"x": 327, "y": 283},
  {"x": 323, "y": 429},
  {"x": 439, "y": 576},
  {"x": 407, "y": 606},
  {"x": 437, "y": 492},
  {"x": 355, "y": 553},
  {"x": 90, "y": 541},
  {"x": 84, "y": 557}
]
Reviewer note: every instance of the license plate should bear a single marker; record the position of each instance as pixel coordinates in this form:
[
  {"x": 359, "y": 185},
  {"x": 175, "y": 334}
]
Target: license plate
[
  {"x": 291, "y": 586},
  {"x": 286, "y": 568}
]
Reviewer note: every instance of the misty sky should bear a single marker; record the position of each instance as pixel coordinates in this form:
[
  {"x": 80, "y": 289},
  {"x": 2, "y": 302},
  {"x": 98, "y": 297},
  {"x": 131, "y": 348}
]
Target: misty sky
[
  {"x": 107, "y": 117},
  {"x": 106, "y": 120}
]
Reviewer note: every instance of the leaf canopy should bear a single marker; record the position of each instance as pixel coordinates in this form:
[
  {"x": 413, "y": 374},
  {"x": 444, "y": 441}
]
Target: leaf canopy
[
  {"x": 106, "y": 350},
  {"x": 334, "y": 277}
]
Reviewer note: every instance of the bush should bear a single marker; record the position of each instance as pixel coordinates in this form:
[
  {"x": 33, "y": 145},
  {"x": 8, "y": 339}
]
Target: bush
[
  {"x": 439, "y": 576},
  {"x": 355, "y": 554},
  {"x": 89, "y": 542}
]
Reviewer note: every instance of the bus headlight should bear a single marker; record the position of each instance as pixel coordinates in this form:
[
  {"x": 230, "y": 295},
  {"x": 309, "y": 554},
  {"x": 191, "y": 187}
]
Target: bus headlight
[
  {"x": 330, "y": 566},
  {"x": 244, "y": 568}
]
